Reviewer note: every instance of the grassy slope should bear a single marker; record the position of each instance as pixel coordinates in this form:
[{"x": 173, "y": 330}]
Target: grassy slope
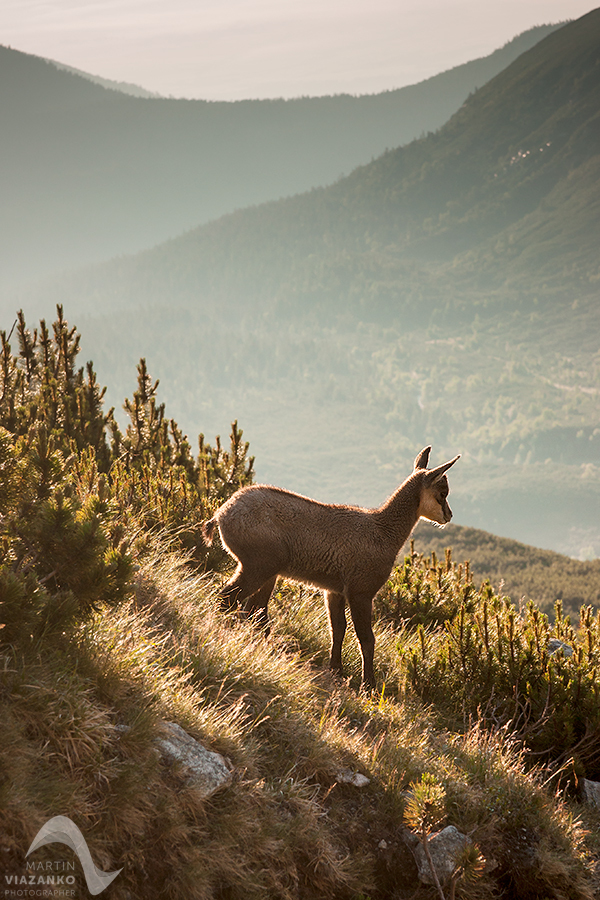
[
  {"x": 106, "y": 632},
  {"x": 286, "y": 828}
]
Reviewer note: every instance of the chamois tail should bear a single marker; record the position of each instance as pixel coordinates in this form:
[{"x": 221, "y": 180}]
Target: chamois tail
[{"x": 208, "y": 531}]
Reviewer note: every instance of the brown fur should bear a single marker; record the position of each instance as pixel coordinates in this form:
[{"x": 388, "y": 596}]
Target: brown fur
[{"x": 346, "y": 551}]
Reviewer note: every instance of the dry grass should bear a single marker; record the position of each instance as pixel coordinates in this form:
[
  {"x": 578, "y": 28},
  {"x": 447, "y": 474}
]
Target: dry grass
[{"x": 285, "y": 828}]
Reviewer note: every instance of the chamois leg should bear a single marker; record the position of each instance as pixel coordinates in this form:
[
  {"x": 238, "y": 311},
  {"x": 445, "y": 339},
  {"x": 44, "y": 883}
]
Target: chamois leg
[
  {"x": 336, "y": 604},
  {"x": 361, "y": 610},
  {"x": 256, "y": 605},
  {"x": 242, "y": 585}
]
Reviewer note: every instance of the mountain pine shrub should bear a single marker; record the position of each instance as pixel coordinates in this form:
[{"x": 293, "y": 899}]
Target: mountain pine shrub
[
  {"x": 475, "y": 656},
  {"x": 156, "y": 476},
  {"x": 425, "y": 592},
  {"x": 41, "y": 385},
  {"x": 62, "y": 555},
  {"x": 149, "y": 471},
  {"x": 74, "y": 489}
]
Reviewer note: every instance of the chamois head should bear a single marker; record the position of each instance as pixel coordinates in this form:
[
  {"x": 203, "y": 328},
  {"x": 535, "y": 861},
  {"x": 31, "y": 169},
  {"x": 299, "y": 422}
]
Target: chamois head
[{"x": 433, "y": 505}]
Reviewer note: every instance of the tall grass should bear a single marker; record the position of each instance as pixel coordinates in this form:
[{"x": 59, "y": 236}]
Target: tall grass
[{"x": 286, "y": 827}]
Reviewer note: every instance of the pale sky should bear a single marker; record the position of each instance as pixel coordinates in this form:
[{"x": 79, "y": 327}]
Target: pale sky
[{"x": 236, "y": 49}]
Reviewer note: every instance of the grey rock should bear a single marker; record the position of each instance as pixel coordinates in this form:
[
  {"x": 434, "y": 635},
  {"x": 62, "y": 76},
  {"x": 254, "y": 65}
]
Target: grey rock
[
  {"x": 556, "y": 646},
  {"x": 591, "y": 792},
  {"x": 410, "y": 839},
  {"x": 204, "y": 770},
  {"x": 445, "y": 848},
  {"x": 347, "y": 776}
]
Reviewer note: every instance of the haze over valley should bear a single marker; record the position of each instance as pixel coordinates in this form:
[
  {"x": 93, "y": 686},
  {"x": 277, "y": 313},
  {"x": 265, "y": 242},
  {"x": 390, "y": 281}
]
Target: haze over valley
[{"x": 444, "y": 291}]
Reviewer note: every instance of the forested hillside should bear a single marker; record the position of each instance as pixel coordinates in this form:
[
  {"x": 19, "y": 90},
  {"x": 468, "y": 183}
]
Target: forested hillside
[
  {"x": 446, "y": 293},
  {"x": 89, "y": 173}
]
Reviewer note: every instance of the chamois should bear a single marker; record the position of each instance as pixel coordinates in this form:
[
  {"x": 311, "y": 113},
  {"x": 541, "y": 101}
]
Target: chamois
[{"x": 346, "y": 551}]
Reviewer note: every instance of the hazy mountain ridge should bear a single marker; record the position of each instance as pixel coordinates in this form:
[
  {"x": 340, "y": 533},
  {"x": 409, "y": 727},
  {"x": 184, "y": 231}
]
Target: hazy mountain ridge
[
  {"x": 466, "y": 199},
  {"x": 124, "y": 87},
  {"x": 89, "y": 172}
]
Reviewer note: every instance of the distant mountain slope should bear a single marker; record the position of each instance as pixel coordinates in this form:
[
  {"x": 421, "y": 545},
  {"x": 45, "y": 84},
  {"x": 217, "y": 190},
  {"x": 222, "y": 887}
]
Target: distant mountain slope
[
  {"x": 504, "y": 197},
  {"x": 446, "y": 293},
  {"x": 88, "y": 173}
]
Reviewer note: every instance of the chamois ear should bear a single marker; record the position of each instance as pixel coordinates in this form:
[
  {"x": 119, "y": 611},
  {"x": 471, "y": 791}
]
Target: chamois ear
[
  {"x": 435, "y": 474},
  {"x": 423, "y": 458}
]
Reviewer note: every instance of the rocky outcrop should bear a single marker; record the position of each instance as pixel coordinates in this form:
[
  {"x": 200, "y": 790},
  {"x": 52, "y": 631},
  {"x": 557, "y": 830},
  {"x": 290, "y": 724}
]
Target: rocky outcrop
[{"x": 590, "y": 792}]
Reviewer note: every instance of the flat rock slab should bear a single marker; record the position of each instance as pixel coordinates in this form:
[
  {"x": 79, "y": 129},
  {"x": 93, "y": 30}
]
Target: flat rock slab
[{"x": 204, "y": 770}]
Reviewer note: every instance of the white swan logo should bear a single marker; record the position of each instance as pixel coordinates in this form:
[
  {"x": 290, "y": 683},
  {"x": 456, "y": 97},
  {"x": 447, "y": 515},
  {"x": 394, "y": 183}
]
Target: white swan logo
[{"x": 62, "y": 830}]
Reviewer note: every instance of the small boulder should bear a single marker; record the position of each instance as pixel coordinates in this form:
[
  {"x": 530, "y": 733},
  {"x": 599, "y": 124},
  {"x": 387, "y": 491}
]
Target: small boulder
[
  {"x": 347, "y": 776},
  {"x": 590, "y": 791},
  {"x": 202, "y": 769},
  {"x": 556, "y": 646},
  {"x": 445, "y": 849}
]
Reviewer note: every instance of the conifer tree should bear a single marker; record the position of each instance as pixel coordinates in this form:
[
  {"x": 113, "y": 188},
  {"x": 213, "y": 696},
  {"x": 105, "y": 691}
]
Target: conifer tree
[
  {"x": 42, "y": 384},
  {"x": 57, "y": 408}
]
